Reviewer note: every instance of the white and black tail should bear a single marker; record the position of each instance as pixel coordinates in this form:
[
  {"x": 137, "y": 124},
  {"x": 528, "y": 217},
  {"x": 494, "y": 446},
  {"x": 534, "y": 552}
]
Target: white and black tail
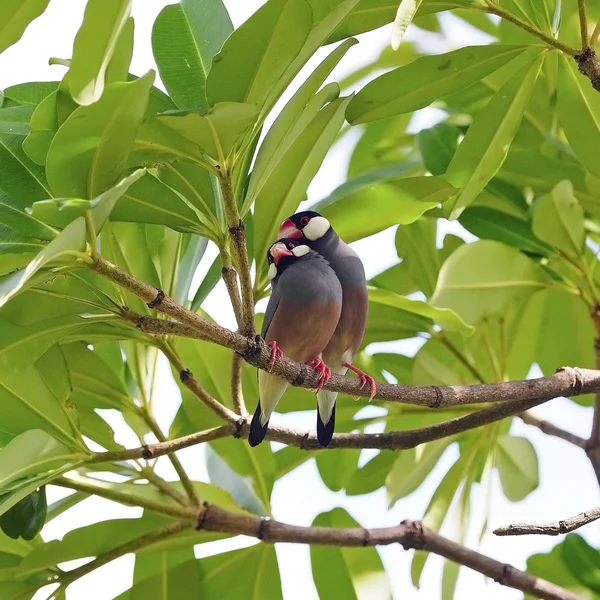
[
  {"x": 325, "y": 416},
  {"x": 270, "y": 390},
  {"x": 257, "y": 429}
]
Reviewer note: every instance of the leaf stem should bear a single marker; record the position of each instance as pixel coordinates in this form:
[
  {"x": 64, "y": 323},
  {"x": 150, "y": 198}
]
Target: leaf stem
[
  {"x": 462, "y": 358},
  {"x": 508, "y": 16},
  {"x": 163, "y": 486},
  {"x": 91, "y": 231},
  {"x": 585, "y": 40},
  {"x": 595, "y": 35}
]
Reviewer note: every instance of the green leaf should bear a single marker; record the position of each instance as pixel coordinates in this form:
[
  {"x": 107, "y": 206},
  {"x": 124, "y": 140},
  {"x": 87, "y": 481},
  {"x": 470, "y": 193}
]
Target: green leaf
[
  {"x": 484, "y": 147},
  {"x": 231, "y": 575},
  {"x": 24, "y": 223},
  {"x": 579, "y": 113},
  {"x": 256, "y": 55},
  {"x": 15, "y": 16},
  {"x": 26, "y": 518},
  {"x": 53, "y": 369},
  {"x": 218, "y": 131},
  {"x": 336, "y": 467},
  {"x": 93, "y": 48},
  {"x": 43, "y": 127},
  {"x": 371, "y": 476},
  {"x": 286, "y": 186},
  {"x": 15, "y": 119},
  {"x": 582, "y": 560},
  {"x": 437, "y": 146},
  {"x": 89, "y": 152},
  {"x": 558, "y": 220},
  {"x": 480, "y": 279},
  {"x": 517, "y": 464},
  {"x": 29, "y": 454},
  {"x": 445, "y": 318},
  {"x": 427, "y": 79},
  {"x": 185, "y": 38},
  {"x": 404, "y": 17},
  {"x": 294, "y": 117},
  {"x": 374, "y": 208},
  {"x": 411, "y": 468},
  {"x": 71, "y": 240},
  {"x": 353, "y": 573}
]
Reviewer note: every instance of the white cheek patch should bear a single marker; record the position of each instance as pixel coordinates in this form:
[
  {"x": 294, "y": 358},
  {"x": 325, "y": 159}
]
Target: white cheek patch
[
  {"x": 272, "y": 271},
  {"x": 299, "y": 251},
  {"x": 317, "y": 227}
]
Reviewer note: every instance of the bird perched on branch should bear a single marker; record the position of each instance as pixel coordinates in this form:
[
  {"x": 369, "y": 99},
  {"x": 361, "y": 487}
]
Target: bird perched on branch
[
  {"x": 314, "y": 230},
  {"x": 301, "y": 316}
]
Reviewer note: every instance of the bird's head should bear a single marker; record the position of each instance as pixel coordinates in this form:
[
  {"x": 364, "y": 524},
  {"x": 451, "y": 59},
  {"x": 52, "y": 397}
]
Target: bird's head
[
  {"x": 308, "y": 224},
  {"x": 284, "y": 252}
]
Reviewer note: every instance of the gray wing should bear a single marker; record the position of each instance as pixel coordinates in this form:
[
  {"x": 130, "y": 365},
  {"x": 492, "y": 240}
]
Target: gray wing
[{"x": 271, "y": 308}]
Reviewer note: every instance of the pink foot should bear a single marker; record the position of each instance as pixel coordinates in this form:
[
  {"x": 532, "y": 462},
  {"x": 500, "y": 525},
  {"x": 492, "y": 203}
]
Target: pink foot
[
  {"x": 364, "y": 379},
  {"x": 323, "y": 370},
  {"x": 275, "y": 353}
]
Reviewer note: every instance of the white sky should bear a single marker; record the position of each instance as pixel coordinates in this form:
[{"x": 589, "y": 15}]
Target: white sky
[{"x": 567, "y": 482}]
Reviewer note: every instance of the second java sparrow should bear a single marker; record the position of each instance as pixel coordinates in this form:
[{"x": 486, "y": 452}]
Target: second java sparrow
[
  {"x": 301, "y": 316},
  {"x": 314, "y": 230}
]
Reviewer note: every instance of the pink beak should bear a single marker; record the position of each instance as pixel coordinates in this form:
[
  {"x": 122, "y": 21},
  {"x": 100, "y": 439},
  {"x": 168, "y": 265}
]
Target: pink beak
[
  {"x": 289, "y": 231},
  {"x": 278, "y": 250}
]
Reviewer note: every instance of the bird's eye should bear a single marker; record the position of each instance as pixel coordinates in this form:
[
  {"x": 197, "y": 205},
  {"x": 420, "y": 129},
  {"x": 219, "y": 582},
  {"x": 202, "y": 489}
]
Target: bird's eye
[
  {"x": 291, "y": 245},
  {"x": 304, "y": 221}
]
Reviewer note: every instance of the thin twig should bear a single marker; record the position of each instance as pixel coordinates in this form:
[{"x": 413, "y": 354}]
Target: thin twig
[
  {"x": 595, "y": 35},
  {"x": 585, "y": 40},
  {"x": 495, "y": 9},
  {"x": 551, "y": 429},
  {"x": 238, "y": 238},
  {"x": 137, "y": 544},
  {"x": 231, "y": 283},
  {"x": 558, "y": 528},
  {"x": 462, "y": 358},
  {"x": 593, "y": 444},
  {"x": 237, "y": 395},
  {"x": 164, "y": 486}
]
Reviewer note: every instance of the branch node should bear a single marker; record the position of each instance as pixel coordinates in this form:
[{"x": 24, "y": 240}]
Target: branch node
[
  {"x": 367, "y": 539},
  {"x": 185, "y": 375},
  {"x": 562, "y": 527},
  {"x": 507, "y": 573},
  {"x": 263, "y": 527},
  {"x": 160, "y": 296},
  {"x": 439, "y": 397},
  {"x": 147, "y": 453},
  {"x": 415, "y": 537},
  {"x": 140, "y": 322},
  {"x": 304, "y": 441},
  {"x": 253, "y": 349},
  {"x": 301, "y": 378},
  {"x": 588, "y": 65},
  {"x": 239, "y": 426},
  {"x": 578, "y": 383},
  {"x": 202, "y": 513},
  {"x": 237, "y": 229}
]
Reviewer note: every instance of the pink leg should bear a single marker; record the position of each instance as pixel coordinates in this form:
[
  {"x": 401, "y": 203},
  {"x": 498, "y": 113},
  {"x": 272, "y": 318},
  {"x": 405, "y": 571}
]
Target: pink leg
[
  {"x": 364, "y": 378},
  {"x": 275, "y": 352},
  {"x": 324, "y": 372}
]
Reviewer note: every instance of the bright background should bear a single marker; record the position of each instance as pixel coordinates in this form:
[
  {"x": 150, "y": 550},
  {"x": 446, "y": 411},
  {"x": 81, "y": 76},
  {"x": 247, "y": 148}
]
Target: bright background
[{"x": 567, "y": 482}]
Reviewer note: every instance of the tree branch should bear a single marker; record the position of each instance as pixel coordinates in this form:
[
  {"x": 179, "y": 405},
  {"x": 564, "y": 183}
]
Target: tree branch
[
  {"x": 137, "y": 544},
  {"x": 230, "y": 278},
  {"x": 558, "y": 528},
  {"x": 593, "y": 444},
  {"x": 585, "y": 39},
  {"x": 567, "y": 381},
  {"x": 587, "y": 62},
  {"x": 163, "y": 486},
  {"x": 551, "y": 429},
  {"x": 410, "y": 534},
  {"x": 237, "y": 395}
]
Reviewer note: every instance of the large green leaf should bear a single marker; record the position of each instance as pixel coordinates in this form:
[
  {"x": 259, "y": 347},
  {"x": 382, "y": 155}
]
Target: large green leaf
[
  {"x": 484, "y": 147},
  {"x": 231, "y": 575},
  {"x": 353, "y": 573},
  {"x": 558, "y": 220},
  {"x": 43, "y": 127},
  {"x": 427, "y": 79},
  {"x": 71, "y": 241},
  {"x": 579, "y": 113},
  {"x": 15, "y": 119},
  {"x": 517, "y": 465},
  {"x": 373, "y": 208},
  {"x": 257, "y": 54},
  {"x": 583, "y": 561},
  {"x": 89, "y": 152},
  {"x": 185, "y": 38},
  {"x": 437, "y": 146},
  {"x": 286, "y": 186},
  {"x": 27, "y": 517},
  {"x": 404, "y": 16},
  {"x": 15, "y": 16},
  {"x": 94, "y": 45},
  {"x": 480, "y": 279},
  {"x": 218, "y": 131}
]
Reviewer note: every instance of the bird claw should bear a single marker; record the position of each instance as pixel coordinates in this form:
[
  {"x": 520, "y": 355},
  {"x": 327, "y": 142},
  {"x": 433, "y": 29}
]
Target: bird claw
[
  {"x": 275, "y": 353},
  {"x": 364, "y": 379},
  {"x": 324, "y": 372}
]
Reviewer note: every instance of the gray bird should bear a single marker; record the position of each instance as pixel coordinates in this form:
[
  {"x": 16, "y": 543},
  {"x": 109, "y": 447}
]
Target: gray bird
[
  {"x": 315, "y": 231},
  {"x": 301, "y": 316}
]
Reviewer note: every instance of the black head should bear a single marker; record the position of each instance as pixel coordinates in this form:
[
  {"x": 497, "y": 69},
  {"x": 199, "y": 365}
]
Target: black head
[
  {"x": 308, "y": 224},
  {"x": 283, "y": 253}
]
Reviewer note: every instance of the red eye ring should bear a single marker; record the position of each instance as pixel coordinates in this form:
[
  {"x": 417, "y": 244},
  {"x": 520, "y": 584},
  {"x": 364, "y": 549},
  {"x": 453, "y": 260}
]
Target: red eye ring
[
  {"x": 291, "y": 245},
  {"x": 304, "y": 221}
]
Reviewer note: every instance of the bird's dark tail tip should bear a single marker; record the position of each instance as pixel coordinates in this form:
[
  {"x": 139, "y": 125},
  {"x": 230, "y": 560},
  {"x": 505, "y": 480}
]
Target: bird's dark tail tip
[
  {"x": 325, "y": 432},
  {"x": 257, "y": 431}
]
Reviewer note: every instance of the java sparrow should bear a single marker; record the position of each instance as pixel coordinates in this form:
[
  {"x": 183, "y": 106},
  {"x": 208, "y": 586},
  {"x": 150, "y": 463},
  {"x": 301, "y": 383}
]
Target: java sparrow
[
  {"x": 315, "y": 231},
  {"x": 301, "y": 316}
]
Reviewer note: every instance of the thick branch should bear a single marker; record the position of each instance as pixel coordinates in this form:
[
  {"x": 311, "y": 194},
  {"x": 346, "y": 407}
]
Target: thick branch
[
  {"x": 593, "y": 444},
  {"x": 588, "y": 64},
  {"x": 567, "y": 381},
  {"x": 551, "y": 429},
  {"x": 392, "y": 440},
  {"x": 558, "y": 528},
  {"x": 410, "y": 534}
]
